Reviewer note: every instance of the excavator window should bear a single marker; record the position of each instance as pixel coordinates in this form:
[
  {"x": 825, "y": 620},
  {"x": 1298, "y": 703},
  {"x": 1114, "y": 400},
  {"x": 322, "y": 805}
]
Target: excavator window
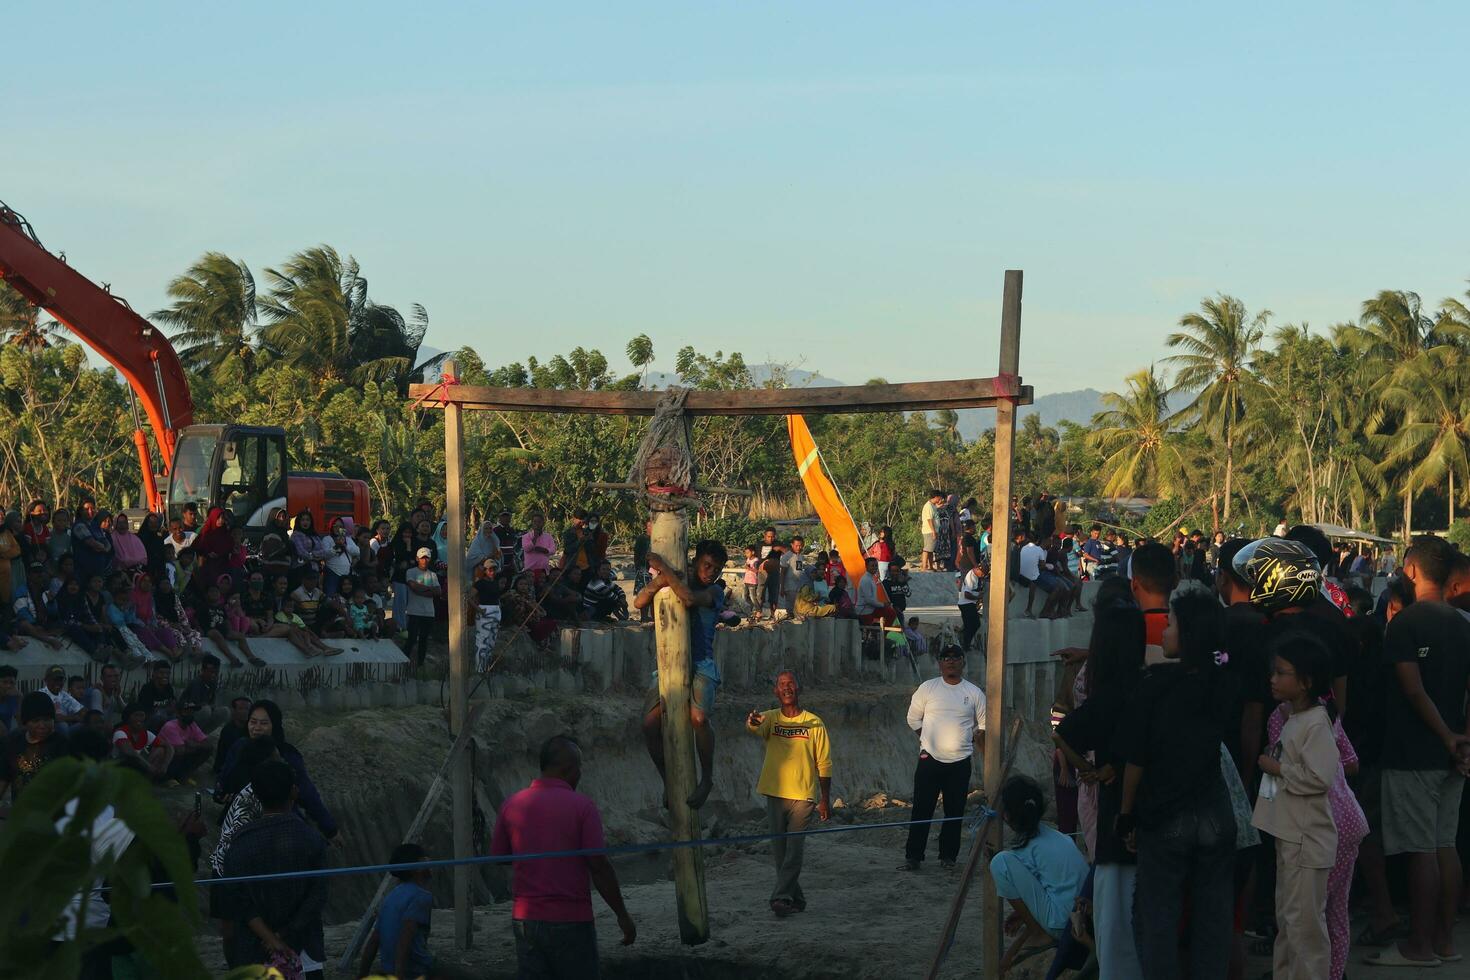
[
  {"x": 189, "y": 482},
  {"x": 252, "y": 478}
]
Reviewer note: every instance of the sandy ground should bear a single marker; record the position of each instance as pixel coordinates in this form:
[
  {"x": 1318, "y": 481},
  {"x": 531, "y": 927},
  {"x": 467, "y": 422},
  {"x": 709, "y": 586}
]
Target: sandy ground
[{"x": 864, "y": 919}]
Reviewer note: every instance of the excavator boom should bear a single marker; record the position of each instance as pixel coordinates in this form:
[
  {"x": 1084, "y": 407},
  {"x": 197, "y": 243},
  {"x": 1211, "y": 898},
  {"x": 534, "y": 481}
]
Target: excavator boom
[{"x": 105, "y": 323}]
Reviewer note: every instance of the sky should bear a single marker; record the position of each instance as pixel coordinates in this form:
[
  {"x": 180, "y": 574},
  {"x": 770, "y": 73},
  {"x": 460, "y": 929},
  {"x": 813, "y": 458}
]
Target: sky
[{"x": 837, "y": 186}]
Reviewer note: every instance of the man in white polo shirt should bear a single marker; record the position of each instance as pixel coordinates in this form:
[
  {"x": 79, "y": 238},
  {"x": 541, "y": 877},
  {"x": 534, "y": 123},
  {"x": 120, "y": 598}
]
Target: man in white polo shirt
[{"x": 948, "y": 712}]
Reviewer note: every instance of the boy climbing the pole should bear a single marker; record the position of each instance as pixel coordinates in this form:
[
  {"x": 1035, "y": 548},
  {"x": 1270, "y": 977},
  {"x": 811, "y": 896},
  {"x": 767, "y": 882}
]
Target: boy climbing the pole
[{"x": 705, "y": 601}]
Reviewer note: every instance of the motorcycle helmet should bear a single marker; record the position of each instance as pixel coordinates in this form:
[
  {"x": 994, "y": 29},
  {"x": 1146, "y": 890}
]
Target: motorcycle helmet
[{"x": 1280, "y": 573}]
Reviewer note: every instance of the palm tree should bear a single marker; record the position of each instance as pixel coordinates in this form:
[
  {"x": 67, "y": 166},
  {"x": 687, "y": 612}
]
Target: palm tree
[
  {"x": 1432, "y": 440},
  {"x": 640, "y": 353},
  {"x": 214, "y": 314},
  {"x": 1391, "y": 336},
  {"x": 1220, "y": 344},
  {"x": 1141, "y": 454},
  {"x": 321, "y": 320}
]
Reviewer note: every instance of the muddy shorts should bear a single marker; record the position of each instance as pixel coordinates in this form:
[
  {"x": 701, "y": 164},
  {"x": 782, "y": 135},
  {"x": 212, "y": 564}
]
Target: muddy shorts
[
  {"x": 928, "y": 542},
  {"x": 702, "y": 690}
]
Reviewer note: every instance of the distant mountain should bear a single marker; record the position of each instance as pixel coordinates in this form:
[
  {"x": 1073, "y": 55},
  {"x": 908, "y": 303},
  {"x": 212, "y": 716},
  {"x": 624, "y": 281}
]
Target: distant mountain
[{"x": 1071, "y": 406}]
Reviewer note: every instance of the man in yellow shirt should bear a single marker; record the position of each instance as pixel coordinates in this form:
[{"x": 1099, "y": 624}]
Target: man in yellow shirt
[{"x": 795, "y": 779}]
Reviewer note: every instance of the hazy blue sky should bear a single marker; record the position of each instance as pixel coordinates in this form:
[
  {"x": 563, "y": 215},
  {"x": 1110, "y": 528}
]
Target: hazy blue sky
[{"x": 836, "y": 185}]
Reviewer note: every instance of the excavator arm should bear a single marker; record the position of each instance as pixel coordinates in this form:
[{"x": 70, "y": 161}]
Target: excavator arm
[{"x": 105, "y": 323}]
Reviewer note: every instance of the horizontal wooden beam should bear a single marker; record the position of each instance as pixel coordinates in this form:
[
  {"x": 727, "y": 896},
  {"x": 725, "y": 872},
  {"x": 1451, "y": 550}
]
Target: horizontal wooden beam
[{"x": 919, "y": 396}]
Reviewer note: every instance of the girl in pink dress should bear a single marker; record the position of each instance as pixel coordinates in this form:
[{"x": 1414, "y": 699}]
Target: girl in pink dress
[{"x": 1352, "y": 827}]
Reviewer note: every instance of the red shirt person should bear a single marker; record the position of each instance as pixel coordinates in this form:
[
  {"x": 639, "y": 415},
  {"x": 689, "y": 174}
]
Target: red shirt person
[{"x": 552, "y": 916}]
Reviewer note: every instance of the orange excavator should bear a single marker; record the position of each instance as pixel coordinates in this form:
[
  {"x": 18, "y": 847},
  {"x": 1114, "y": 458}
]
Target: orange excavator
[{"x": 241, "y": 468}]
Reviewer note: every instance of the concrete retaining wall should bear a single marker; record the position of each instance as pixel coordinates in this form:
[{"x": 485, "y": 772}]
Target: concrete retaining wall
[
  {"x": 593, "y": 660},
  {"x": 361, "y": 662}
]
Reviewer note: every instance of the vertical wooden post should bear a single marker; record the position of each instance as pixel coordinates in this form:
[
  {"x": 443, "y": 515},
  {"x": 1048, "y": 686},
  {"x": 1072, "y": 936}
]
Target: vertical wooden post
[
  {"x": 459, "y": 673},
  {"x": 669, "y": 539},
  {"x": 1000, "y": 573}
]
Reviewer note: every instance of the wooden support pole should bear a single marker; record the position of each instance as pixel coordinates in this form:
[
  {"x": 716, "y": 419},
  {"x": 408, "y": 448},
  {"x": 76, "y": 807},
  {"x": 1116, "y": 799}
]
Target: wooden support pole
[
  {"x": 348, "y": 961},
  {"x": 461, "y": 778},
  {"x": 1000, "y": 574},
  {"x": 669, "y": 539}
]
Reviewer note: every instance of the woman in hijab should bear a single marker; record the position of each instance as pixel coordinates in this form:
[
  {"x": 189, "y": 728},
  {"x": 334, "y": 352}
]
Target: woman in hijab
[
  {"x": 128, "y": 553},
  {"x": 12, "y": 561},
  {"x": 275, "y": 556},
  {"x": 92, "y": 545},
  {"x": 151, "y": 627},
  {"x": 311, "y": 548},
  {"x": 278, "y": 523},
  {"x": 214, "y": 546},
  {"x": 485, "y": 546},
  {"x": 151, "y": 533}
]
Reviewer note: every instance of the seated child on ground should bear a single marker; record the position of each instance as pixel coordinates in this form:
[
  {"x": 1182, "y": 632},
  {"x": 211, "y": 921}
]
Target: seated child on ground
[{"x": 1041, "y": 871}]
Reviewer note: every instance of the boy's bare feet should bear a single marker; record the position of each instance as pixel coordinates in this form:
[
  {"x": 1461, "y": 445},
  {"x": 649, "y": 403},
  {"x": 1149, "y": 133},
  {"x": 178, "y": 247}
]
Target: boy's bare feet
[{"x": 701, "y": 793}]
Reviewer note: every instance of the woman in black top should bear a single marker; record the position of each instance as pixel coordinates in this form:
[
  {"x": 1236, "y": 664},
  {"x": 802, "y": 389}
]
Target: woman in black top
[
  {"x": 1175, "y": 803},
  {"x": 403, "y": 550},
  {"x": 151, "y": 533},
  {"x": 1114, "y": 669}
]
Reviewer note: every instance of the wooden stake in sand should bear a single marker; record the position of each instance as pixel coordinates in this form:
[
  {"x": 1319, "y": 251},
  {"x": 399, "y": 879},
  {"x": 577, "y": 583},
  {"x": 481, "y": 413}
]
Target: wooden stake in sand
[
  {"x": 663, "y": 472},
  {"x": 1000, "y": 576}
]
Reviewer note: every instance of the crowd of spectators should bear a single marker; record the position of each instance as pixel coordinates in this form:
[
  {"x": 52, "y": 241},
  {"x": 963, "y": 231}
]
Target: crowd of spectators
[{"x": 1316, "y": 732}]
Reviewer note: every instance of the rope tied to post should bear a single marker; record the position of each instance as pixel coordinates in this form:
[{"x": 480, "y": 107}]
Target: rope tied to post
[
  {"x": 663, "y": 468},
  {"x": 440, "y": 391},
  {"x": 1012, "y": 382}
]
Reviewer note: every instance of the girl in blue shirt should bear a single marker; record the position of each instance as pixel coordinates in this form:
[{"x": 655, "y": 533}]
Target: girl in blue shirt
[{"x": 1041, "y": 872}]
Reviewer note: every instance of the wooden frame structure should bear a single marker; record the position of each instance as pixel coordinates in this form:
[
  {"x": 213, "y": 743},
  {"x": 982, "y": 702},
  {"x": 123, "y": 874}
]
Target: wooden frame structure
[{"x": 1003, "y": 393}]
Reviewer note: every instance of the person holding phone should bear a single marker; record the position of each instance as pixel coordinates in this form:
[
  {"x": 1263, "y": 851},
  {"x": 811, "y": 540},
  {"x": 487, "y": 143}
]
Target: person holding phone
[{"x": 795, "y": 779}]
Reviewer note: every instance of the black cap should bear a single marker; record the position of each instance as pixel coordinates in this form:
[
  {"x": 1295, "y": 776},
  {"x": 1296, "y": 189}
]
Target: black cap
[{"x": 951, "y": 650}]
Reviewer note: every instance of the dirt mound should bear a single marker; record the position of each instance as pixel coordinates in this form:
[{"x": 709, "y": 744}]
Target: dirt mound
[{"x": 374, "y": 767}]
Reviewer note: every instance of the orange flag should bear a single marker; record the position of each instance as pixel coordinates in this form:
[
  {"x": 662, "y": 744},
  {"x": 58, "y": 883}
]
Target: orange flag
[{"x": 826, "y": 501}]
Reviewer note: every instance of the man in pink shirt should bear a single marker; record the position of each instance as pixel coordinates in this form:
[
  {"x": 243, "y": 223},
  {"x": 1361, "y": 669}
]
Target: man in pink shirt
[
  {"x": 537, "y": 547},
  {"x": 190, "y": 744},
  {"x": 552, "y": 916}
]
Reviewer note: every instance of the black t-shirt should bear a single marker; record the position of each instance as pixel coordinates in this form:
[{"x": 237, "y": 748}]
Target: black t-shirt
[
  {"x": 1093, "y": 726},
  {"x": 24, "y": 761},
  {"x": 898, "y": 592},
  {"x": 150, "y": 698},
  {"x": 262, "y": 606},
  {"x": 487, "y": 592},
  {"x": 211, "y": 617},
  {"x": 201, "y": 692},
  {"x": 1172, "y": 728},
  {"x": 1435, "y": 636},
  {"x": 1369, "y": 682},
  {"x": 1249, "y": 668},
  {"x": 229, "y": 734}
]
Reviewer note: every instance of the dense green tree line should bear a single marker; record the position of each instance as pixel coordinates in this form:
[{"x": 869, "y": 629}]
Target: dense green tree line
[{"x": 1241, "y": 424}]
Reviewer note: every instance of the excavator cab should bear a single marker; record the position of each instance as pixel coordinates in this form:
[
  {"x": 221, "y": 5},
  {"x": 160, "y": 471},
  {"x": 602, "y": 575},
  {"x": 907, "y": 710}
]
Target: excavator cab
[{"x": 241, "y": 468}]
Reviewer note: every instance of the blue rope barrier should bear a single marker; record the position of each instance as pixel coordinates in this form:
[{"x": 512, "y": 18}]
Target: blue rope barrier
[{"x": 621, "y": 849}]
